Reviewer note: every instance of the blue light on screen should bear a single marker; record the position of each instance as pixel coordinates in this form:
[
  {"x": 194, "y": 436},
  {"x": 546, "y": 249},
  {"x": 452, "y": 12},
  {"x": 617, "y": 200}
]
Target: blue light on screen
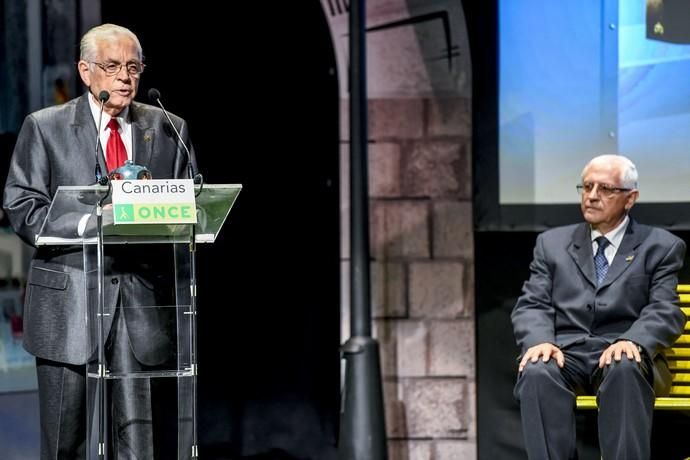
[{"x": 578, "y": 78}]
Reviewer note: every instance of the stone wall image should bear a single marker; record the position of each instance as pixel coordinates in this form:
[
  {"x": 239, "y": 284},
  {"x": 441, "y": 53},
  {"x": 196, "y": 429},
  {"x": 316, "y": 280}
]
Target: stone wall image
[{"x": 420, "y": 177}]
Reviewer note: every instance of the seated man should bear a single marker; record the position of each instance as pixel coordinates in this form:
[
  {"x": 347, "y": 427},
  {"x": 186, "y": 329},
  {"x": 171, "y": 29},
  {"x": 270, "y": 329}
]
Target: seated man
[{"x": 599, "y": 307}]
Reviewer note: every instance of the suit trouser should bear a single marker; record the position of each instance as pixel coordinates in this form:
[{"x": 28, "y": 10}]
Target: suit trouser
[
  {"x": 624, "y": 394},
  {"x": 62, "y": 395}
]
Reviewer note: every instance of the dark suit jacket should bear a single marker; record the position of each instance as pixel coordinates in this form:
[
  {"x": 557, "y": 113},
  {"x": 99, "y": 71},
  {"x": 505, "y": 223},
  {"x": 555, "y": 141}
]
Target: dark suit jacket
[
  {"x": 561, "y": 303},
  {"x": 56, "y": 147}
]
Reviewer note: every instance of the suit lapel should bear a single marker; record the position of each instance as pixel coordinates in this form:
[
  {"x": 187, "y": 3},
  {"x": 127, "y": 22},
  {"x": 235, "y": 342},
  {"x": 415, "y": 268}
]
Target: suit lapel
[
  {"x": 581, "y": 252},
  {"x": 84, "y": 131},
  {"x": 634, "y": 236},
  {"x": 142, "y": 136}
]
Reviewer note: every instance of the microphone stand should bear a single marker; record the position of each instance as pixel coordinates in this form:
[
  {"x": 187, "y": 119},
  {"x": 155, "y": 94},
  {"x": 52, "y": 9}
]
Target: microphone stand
[
  {"x": 193, "y": 313},
  {"x": 102, "y": 388},
  {"x": 154, "y": 94},
  {"x": 103, "y": 97}
]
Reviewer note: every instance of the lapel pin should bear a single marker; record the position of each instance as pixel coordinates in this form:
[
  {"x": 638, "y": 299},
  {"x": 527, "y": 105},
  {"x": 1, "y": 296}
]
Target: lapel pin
[
  {"x": 629, "y": 258},
  {"x": 147, "y": 138}
]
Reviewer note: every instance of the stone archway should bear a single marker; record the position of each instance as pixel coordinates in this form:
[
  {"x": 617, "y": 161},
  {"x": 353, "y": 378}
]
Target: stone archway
[{"x": 419, "y": 90}]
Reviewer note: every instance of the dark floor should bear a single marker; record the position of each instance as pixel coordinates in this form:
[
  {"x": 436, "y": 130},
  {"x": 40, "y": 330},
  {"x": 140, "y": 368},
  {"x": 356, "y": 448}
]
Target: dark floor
[
  {"x": 19, "y": 433},
  {"x": 19, "y": 436}
]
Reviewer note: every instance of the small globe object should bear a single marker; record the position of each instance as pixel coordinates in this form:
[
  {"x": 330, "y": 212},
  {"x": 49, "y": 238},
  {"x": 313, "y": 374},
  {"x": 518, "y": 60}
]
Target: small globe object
[{"x": 130, "y": 171}]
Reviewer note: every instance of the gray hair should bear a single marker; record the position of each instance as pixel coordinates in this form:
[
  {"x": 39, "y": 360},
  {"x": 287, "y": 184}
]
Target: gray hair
[
  {"x": 88, "y": 48},
  {"x": 625, "y": 165}
]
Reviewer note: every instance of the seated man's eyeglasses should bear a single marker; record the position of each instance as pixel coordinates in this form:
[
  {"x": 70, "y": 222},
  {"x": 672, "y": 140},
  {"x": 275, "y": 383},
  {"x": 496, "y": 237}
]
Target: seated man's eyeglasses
[
  {"x": 133, "y": 68},
  {"x": 605, "y": 190}
]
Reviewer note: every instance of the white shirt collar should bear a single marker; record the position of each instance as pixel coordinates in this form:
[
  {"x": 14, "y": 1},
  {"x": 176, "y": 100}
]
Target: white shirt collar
[
  {"x": 122, "y": 117},
  {"x": 615, "y": 236}
]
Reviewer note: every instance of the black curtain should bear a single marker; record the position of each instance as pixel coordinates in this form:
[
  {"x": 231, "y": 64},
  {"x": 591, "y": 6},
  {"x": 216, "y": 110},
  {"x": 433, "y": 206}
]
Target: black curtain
[{"x": 259, "y": 89}]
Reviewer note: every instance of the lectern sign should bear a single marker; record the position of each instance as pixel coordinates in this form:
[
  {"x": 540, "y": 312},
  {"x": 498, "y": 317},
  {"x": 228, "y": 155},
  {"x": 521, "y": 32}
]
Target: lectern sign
[{"x": 158, "y": 201}]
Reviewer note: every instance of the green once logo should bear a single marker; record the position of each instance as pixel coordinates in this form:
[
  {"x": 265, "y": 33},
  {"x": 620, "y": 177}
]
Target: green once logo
[
  {"x": 124, "y": 212},
  {"x": 164, "y": 212}
]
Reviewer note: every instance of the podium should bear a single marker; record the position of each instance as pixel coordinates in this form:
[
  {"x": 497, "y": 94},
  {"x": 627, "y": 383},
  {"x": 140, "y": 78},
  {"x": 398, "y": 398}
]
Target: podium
[{"x": 140, "y": 329}]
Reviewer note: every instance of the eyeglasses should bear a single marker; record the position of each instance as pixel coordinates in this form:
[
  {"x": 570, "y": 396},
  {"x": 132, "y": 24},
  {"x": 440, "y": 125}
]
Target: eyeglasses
[
  {"x": 604, "y": 190},
  {"x": 113, "y": 68}
]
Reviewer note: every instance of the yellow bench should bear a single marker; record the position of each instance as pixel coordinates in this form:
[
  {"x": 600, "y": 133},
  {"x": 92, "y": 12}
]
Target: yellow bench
[{"x": 678, "y": 357}]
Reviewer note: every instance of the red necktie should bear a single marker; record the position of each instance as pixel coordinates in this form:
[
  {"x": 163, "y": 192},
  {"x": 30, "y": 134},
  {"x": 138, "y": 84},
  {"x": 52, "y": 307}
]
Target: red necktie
[{"x": 116, "y": 154}]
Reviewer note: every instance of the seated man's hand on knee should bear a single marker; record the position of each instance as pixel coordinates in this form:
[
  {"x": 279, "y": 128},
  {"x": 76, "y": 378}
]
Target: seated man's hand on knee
[
  {"x": 545, "y": 351},
  {"x": 616, "y": 350}
]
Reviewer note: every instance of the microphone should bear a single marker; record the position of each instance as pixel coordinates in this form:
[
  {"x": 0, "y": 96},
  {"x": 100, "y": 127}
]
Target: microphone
[
  {"x": 103, "y": 97},
  {"x": 155, "y": 95}
]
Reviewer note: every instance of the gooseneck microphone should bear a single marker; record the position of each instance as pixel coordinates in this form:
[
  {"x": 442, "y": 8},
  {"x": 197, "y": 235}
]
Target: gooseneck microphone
[
  {"x": 103, "y": 97},
  {"x": 155, "y": 95}
]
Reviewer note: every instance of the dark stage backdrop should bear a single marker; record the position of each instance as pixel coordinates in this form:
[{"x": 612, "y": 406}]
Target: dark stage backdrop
[{"x": 258, "y": 87}]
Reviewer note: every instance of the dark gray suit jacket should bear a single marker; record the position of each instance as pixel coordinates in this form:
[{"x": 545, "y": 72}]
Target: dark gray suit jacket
[
  {"x": 561, "y": 303},
  {"x": 56, "y": 147}
]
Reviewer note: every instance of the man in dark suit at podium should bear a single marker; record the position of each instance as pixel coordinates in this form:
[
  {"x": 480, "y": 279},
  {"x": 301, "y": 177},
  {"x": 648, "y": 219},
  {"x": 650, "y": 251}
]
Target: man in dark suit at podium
[
  {"x": 599, "y": 307},
  {"x": 57, "y": 146}
]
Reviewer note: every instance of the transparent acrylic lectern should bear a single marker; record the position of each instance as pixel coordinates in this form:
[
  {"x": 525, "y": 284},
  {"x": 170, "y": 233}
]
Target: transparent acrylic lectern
[{"x": 140, "y": 287}]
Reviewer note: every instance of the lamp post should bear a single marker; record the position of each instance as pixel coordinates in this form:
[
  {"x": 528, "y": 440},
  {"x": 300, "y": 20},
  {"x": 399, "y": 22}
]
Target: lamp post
[{"x": 362, "y": 421}]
